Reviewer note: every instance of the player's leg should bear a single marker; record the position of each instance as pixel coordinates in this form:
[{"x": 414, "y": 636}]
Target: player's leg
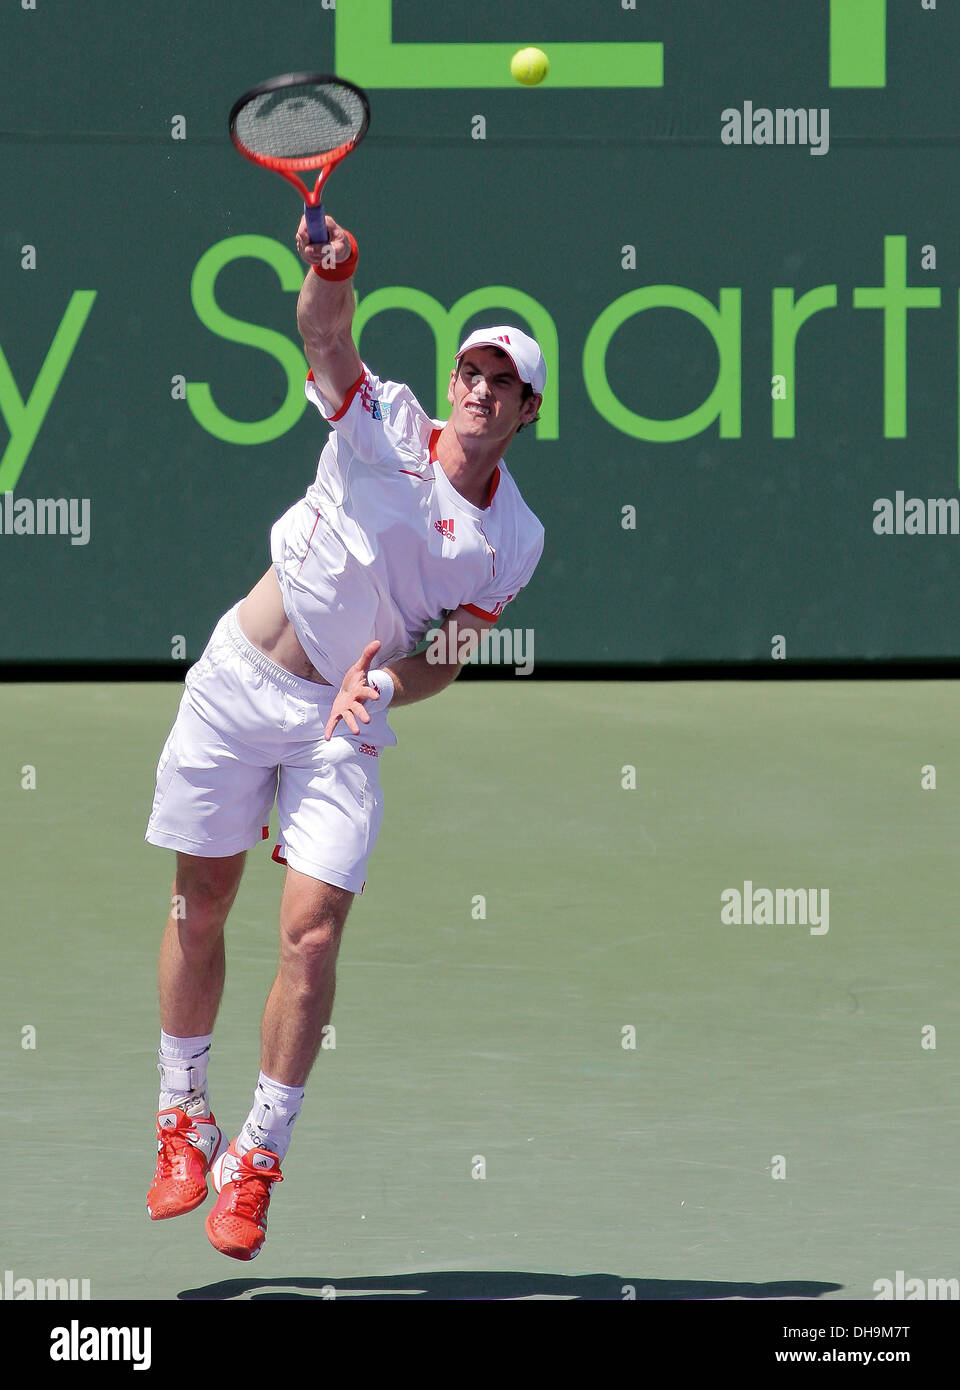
[
  {"x": 216, "y": 782},
  {"x": 190, "y": 981},
  {"x": 191, "y": 969},
  {"x": 299, "y": 1005},
  {"x": 329, "y": 808}
]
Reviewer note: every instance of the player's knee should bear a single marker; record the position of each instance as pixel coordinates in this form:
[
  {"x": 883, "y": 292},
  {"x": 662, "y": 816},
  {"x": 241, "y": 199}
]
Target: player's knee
[
  {"x": 309, "y": 947},
  {"x": 205, "y": 889}
]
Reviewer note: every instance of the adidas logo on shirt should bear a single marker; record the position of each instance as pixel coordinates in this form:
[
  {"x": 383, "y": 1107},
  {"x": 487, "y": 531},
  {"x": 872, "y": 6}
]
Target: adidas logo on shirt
[{"x": 446, "y": 529}]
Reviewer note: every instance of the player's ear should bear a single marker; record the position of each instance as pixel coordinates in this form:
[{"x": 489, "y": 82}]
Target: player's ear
[
  {"x": 453, "y": 377},
  {"x": 530, "y": 408}
]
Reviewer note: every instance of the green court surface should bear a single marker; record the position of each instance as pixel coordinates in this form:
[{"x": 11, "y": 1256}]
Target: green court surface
[{"x": 759, "y": 1048}]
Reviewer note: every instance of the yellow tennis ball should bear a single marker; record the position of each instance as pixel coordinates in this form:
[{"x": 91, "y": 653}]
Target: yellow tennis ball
[{"x": 530, "y": 66}]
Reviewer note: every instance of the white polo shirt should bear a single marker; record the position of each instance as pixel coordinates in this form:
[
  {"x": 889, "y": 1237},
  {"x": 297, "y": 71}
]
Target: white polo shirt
[{"x": 383, "y": 546}]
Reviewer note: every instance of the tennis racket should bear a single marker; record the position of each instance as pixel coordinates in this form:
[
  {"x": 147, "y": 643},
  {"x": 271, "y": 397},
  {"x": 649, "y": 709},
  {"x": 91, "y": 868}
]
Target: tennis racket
[{"x": 301, "y": 121}]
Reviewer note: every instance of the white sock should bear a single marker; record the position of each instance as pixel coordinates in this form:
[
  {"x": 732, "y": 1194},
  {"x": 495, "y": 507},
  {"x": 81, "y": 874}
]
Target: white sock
[
  {"x": 270, "y": 1123},
  {"x": 183, "y": 1073}
]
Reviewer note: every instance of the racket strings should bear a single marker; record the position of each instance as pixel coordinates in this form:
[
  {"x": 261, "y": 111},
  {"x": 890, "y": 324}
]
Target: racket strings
[{"x": 297, "y": 122}]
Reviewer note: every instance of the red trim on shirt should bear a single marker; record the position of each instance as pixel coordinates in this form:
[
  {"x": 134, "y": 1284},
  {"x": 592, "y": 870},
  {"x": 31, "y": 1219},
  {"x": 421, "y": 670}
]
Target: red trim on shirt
[
  {"x": 490, "y": 617},
  {"x": 493, "y": 554},
  {"x": 479, "y": 613},
  {"x": 307, "y": 552},
  {"x": 347, "y": 398},
  {"x": 494, "y": 481}
]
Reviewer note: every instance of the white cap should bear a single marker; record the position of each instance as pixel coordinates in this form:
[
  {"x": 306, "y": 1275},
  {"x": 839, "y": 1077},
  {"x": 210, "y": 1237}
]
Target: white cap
[{"x": 523, "y": 352}]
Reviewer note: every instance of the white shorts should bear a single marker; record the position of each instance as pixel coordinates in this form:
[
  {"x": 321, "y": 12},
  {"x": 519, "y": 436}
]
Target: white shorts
[{"x": 248, "y": 733}]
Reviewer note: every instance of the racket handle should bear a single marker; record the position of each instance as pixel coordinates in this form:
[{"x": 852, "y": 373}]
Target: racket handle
[{"x": 316, "y": 223}]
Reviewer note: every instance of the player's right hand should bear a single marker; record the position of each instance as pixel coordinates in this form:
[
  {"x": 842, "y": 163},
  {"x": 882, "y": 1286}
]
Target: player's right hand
[{"x": 312, "y": 252}]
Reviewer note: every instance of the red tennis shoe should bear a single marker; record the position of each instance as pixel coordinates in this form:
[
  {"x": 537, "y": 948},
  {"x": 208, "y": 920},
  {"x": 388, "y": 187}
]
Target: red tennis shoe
[
  {"x": 186, "y": 1147},
  {"x": 237, "y": 1226}
]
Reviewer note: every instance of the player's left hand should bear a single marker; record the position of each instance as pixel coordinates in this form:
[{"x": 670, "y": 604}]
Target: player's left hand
[{"x": 354, "y": 690}]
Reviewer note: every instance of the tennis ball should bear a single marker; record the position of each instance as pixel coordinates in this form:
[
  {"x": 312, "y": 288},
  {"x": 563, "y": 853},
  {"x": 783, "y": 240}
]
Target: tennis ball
[{"x": 530, "y": 66}]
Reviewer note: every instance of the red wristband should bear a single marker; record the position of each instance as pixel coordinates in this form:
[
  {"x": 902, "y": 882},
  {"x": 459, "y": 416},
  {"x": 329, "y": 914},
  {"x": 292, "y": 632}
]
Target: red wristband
[{"x": 345, "y": 269}]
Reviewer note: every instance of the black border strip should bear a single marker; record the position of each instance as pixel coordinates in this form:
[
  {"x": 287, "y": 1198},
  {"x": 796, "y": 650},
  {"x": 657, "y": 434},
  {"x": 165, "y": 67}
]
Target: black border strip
[{"x": 933, "y": 668}]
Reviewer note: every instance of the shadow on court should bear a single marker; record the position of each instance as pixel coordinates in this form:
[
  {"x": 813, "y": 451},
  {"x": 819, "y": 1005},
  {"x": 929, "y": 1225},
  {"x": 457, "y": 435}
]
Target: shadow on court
[{"x": 511, "y": 1284}]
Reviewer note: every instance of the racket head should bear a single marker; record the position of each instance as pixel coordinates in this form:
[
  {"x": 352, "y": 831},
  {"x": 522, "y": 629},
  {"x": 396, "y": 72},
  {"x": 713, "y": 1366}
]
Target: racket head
[{"x": 302, "y": 120}]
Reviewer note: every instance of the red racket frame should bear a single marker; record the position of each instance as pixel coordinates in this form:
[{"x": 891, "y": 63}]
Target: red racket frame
[{"x": 285, "y": 167}]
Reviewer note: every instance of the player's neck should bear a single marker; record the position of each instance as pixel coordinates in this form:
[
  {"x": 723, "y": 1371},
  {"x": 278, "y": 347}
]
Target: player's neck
[{"x": 469, "y": 464}]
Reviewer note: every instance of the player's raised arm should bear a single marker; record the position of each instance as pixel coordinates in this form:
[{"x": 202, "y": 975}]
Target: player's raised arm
[{"x": 325, "y": 311}]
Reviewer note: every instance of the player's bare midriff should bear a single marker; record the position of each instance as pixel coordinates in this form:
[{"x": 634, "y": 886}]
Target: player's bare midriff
[{"x": 263, "y": 621}]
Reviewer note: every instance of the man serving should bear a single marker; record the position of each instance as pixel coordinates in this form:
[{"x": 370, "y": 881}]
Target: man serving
[{"x": 408, "y": 522}]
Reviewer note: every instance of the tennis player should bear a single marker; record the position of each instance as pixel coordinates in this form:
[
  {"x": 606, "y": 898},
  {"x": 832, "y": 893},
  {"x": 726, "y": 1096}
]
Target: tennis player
[{"x": 409, "y": 523}]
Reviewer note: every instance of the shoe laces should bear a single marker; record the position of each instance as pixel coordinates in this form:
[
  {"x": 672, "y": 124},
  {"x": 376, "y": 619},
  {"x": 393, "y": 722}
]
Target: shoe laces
[
  {"x": 251, "y": 1192},
  {"x": 173, "y": 1145}
]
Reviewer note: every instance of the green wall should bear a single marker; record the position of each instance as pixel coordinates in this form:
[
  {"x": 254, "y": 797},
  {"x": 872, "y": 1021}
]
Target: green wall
[{"x": 151, "y": 331}]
